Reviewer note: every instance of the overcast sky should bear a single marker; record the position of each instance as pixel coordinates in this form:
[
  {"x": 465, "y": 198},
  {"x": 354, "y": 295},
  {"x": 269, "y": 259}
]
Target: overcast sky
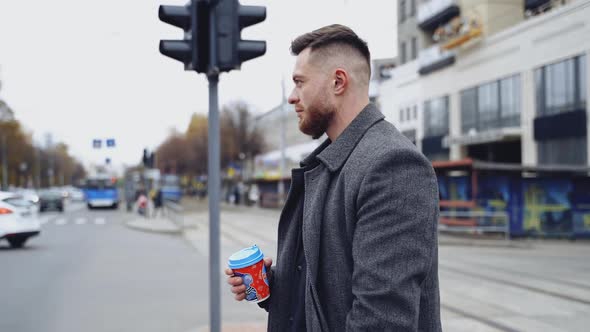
[{"x": 82, "y": 69}]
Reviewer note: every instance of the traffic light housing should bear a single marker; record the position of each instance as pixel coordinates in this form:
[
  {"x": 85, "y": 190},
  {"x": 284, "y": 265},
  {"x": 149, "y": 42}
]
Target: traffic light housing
[
  {"x": 230, "y": 19},
  {"x": 193, "y": 50}
]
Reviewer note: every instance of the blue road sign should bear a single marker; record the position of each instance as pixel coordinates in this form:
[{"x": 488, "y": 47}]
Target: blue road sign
[{"x": 110, "y": 142}]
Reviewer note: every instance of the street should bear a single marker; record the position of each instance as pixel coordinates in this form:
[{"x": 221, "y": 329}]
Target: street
[{"x": 87, "y": 271}]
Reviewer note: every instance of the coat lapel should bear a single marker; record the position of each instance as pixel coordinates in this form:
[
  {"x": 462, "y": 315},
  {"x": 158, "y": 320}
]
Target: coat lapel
[{"x": 316, "y": 182}]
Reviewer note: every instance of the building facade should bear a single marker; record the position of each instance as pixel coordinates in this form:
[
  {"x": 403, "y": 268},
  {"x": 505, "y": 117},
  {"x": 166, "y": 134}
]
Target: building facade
[{"x": 499, "y": 81}]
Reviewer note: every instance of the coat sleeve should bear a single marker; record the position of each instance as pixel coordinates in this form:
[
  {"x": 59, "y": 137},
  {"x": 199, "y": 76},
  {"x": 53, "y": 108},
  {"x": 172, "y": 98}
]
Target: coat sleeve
[{"x": 394, "y": 244}]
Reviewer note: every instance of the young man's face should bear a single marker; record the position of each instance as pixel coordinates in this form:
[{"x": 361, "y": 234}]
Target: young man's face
[{"x": 311, "y": 96}]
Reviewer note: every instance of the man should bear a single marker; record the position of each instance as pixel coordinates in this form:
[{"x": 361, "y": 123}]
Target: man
[{"x": 357, "y": 244}]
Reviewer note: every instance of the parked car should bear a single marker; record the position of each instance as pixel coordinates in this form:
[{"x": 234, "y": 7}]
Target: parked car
[
  {"x": 28, "y": 194},
  {"x": 18, "y": 219},
  {"x": 51, "y": 200}
]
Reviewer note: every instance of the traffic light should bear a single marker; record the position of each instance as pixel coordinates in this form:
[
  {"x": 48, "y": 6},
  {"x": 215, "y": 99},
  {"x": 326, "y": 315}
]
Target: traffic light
[
  {"x": 144, "y": 158},
  {"x": 193, "y": 50},
  {"x": 230, "y": 19}
]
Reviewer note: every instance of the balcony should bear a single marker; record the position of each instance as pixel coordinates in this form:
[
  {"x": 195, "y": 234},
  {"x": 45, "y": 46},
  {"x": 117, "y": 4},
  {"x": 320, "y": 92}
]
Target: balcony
[
  {"x": 436, "y": 12},
  {"x": 434, "y": 58}
]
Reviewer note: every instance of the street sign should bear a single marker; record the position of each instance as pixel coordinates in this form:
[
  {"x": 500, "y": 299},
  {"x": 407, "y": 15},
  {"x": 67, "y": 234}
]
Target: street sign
[
  {"x": 110, "y": 142},
  {"x": 96, "y": 143}
]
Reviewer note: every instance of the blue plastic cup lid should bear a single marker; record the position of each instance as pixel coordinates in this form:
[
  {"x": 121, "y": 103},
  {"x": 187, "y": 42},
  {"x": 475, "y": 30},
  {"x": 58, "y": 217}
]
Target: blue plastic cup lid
[{"x": 245, "y": 257}]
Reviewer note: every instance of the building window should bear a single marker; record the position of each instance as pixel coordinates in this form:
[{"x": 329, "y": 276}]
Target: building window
[
  {"x": 488, "y": 104},
  {"x": 401, "y": 115},
  {"x": 510, "y": 101},
  {"x": 561, "y": 107},
  {"x": 569, "y": 150},
  {"x": 412, "y": 8},
  {"x": 408, "y": 116},
  {"x": 469, "y": 110},
  {"x": 403, "y": 52},
  {"x": 415, "y": 112},
  {"x": 436, "y": 117},
  {"x": 561, "y": 87},
  {"x": 402, "y": 11},
  {"x": 491, "y": 105},
  {"x": 436, "y": 127},
  {"x": 414, "y": 48}
]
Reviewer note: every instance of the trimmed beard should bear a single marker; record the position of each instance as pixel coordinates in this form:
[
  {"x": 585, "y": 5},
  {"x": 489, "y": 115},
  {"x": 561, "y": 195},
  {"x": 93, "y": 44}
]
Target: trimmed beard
[{"x": 317, "y": 120}]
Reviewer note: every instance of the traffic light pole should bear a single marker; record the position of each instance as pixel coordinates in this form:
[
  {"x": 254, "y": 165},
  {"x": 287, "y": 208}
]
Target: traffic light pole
[
  {"x": 198, "y": 51},
  {"x": 214, "y": 184}
]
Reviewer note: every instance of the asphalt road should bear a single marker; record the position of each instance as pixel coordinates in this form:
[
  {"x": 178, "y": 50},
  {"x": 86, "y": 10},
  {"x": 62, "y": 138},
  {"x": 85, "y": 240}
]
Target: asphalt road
[{"x": 88, "y": 272}]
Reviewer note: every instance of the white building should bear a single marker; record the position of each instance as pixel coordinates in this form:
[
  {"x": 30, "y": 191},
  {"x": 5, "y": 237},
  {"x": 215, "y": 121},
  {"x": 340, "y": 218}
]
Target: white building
[{"x": 502, "y": 81}]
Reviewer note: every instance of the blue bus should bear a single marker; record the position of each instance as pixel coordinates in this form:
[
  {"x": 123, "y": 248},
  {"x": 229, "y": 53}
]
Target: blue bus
[
  {"x": 101, "y": 192},
  {"x": 171, "y": 189}
]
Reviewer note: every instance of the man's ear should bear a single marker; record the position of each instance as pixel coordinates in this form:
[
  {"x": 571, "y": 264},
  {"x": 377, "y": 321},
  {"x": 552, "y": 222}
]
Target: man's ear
[{"x": 340, "y": 81}]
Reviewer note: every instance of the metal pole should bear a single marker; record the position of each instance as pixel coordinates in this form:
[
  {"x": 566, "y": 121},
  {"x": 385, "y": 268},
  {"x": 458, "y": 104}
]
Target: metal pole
[
  {"x": 214, "y": 186},
  {"x": 283, "y": 142},
  {"x": 214, "y": 181},
  {"x": 4, "y": 164}
]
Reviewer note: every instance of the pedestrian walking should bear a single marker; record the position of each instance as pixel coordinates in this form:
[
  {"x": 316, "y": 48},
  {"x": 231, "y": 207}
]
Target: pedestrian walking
[
  {"x": 158, "y": 202},
  {"x": 357, "y": 238}
]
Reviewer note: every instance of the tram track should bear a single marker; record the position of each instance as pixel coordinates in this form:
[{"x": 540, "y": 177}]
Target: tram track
[
  {"x": 515, "y": 284},
  {"x": 477, "y": 318},
  {"x": 526, "y": 274}
]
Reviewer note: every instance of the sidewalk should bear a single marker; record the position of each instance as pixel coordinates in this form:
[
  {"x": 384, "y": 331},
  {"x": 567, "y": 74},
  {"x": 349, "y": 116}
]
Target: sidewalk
[{"x": 154, "y": 225}]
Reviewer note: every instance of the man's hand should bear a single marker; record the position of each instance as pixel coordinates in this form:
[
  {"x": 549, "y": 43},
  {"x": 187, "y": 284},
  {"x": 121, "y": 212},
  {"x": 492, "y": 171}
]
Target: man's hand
[{"x": 237, "y": 285}]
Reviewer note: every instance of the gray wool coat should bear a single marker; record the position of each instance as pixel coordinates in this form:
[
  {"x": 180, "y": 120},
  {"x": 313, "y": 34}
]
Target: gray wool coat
[{"x": 369, "y": 235}]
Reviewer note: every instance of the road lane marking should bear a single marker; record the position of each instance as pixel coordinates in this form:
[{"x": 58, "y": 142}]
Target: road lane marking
[
  {"x": 80, "y": 221},
  {"x": 99, "y": 221},
  {"x": 61, "y": 222},
  {"x": 44, "y": 219}
]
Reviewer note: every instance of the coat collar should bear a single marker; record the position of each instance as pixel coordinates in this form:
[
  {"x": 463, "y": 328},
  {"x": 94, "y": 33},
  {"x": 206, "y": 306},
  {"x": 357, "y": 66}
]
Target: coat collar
[{"x": 333, "y": 155}]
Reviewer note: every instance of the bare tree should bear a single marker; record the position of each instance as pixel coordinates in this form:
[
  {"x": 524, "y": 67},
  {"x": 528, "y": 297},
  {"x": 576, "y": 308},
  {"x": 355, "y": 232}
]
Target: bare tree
[
  {"x": 240, "y": 137},
  {"x": 188, "y": 154}
]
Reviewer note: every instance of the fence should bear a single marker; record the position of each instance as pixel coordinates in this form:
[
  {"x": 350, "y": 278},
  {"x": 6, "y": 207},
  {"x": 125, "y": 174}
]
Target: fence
[{"x": 476, "y": 222}]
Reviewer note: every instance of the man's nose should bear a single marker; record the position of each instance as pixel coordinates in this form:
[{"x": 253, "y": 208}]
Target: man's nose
[{"x": 293, "y": 99}]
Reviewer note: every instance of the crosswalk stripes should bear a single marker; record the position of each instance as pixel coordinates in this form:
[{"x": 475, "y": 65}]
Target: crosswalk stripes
[
  {"x": 44, "y": 219},
  {"x": 60, "y": 221}
]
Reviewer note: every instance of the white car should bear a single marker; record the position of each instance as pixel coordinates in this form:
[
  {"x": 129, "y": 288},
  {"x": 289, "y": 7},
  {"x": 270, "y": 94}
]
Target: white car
[
  {"x": 29, "y": 195},
  {"x": 18, "y": 219}
]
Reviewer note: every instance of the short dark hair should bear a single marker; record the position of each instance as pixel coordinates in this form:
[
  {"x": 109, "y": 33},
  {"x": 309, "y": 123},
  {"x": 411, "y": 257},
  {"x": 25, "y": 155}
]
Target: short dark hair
[{"x": 331, "y": 35}]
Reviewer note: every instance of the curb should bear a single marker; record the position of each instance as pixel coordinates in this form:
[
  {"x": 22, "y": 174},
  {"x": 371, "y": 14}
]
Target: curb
[
  {"x": 484, "y": 243},
  {"x": 149, "y": 229}
]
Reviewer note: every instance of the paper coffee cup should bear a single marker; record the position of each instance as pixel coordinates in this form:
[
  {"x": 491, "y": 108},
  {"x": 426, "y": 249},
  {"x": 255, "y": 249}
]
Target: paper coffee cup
[{"x": 248, "y": 264}]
